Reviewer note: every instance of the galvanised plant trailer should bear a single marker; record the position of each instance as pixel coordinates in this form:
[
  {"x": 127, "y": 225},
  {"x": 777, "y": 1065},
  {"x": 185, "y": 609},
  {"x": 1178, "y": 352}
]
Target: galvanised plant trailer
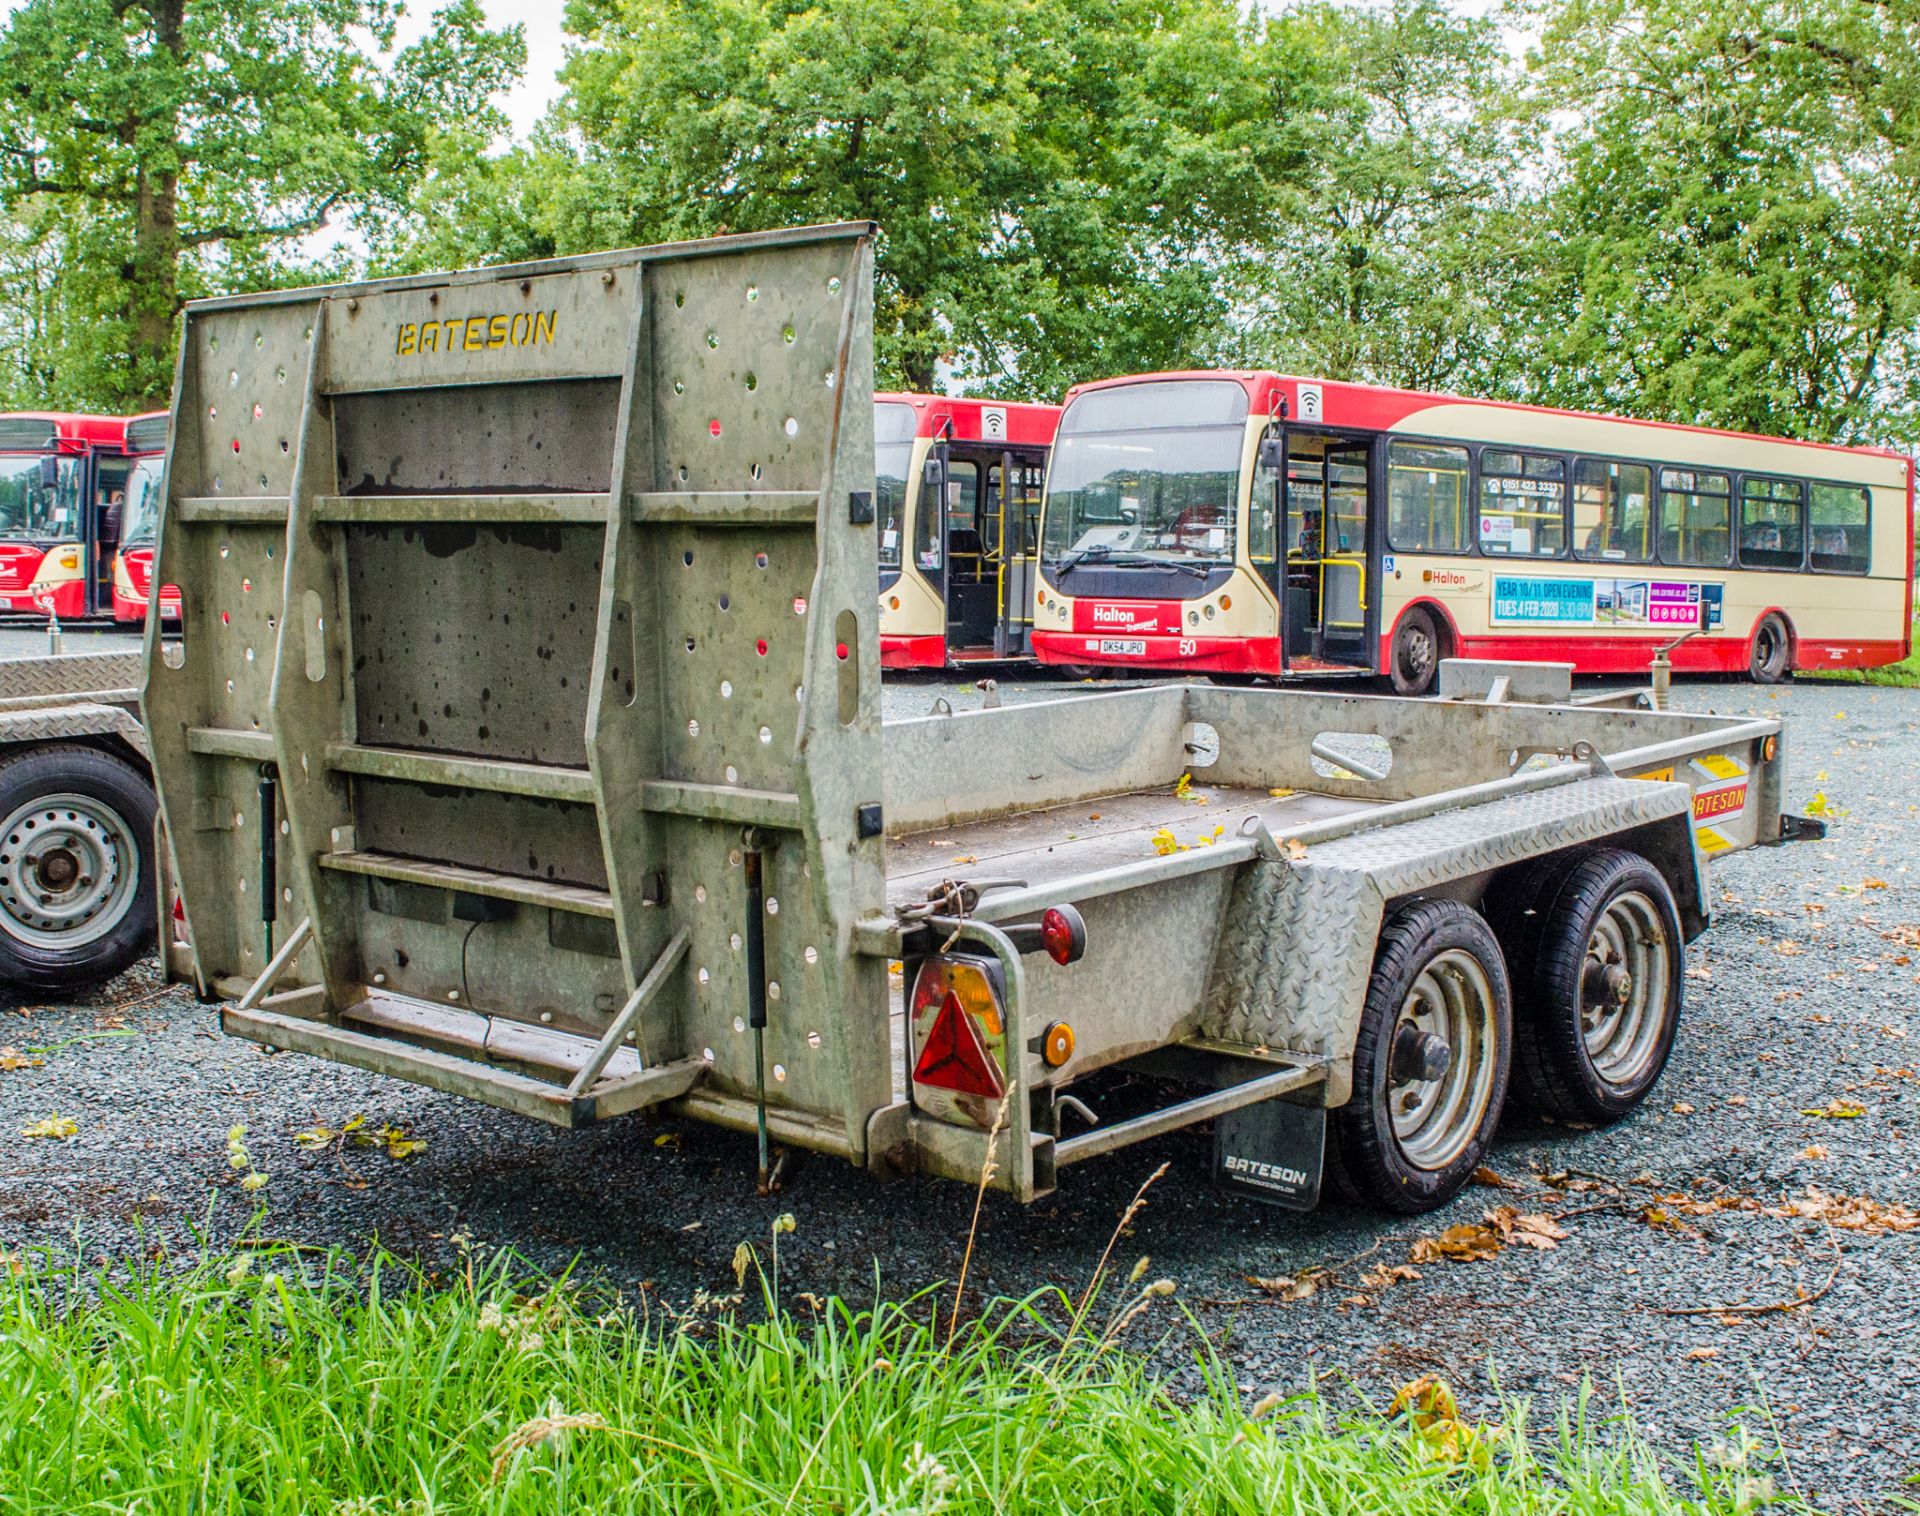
[{"x": 526, "y": 744}]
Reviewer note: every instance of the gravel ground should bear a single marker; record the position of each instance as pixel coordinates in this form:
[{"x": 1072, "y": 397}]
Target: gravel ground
[{"x": 1798, "y": 998}]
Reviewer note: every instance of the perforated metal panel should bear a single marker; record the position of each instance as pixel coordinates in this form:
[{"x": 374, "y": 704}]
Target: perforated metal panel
[{"x": 577, "y": 611}]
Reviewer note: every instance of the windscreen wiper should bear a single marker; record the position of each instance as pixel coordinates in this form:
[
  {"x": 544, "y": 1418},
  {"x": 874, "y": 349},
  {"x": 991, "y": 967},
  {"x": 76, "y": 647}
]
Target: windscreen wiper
[{"x": 1092, "y": 550}]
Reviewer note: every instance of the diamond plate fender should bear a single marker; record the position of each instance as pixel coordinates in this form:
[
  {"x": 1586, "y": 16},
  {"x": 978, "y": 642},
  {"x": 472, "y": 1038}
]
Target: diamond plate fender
[
  {"x": 1296, "y": 949},
  {"x": 58, "y": 723}
]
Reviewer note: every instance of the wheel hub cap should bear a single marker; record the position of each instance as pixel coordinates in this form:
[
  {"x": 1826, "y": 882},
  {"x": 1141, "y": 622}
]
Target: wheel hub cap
[
  {"x": 1443, "y": 1059},
  {"x": 69, "y": 867},
  {"x": 1624, "y": 989}
]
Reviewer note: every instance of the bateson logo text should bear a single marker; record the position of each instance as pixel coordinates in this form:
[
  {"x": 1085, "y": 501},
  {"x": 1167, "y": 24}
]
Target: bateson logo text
[{"x": 475, "y": 334}]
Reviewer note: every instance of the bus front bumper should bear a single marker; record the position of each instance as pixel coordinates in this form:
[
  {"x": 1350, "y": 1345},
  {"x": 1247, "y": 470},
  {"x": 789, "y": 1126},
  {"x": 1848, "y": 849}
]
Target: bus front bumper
[{"x": 1201, "y": 655}]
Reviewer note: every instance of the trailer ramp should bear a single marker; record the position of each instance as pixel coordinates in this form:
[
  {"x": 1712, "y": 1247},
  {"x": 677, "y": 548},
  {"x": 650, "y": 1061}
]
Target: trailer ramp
[{"x": 529, "y": 677}]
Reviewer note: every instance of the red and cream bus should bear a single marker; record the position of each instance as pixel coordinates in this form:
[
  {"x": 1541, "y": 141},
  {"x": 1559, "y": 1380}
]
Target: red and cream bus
[
  {"x": 63, "y": 483},
  {"x": 1260, "y": 524},
  {"x": 959, "y": 511},
  {"x": 146, "y": 444}
]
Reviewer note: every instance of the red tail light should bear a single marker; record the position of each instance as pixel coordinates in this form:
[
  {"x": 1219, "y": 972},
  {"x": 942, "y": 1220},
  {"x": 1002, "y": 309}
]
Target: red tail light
[{"x": 1063, "y": 934}]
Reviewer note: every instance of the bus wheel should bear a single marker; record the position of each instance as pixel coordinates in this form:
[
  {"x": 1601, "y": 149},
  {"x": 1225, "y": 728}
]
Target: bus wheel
[
  {"x": 1598, "y": 1005},
  {"x": 76, "y": 867},
  {"x": 1415, "y": 660},
  {"x": 1429, "y": 1063},
  {"x": 1767, "y": 663}
]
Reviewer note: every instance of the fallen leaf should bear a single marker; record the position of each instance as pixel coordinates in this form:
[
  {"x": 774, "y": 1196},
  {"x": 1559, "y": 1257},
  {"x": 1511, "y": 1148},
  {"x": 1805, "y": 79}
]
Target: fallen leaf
[
  {"x": 1294, "y": 848},
  {"x": 1815, "y": 1151},
  {"x": 1387, "y": 1274},
  {"x": 1429, "y": 1404},
  {"x": 1873, "y": 884},
  {"x": 1835, "y": 1109},
  {"x": 1487, "y": 1178},
  {"x": 1681, "y": 1108},
  {"x": 1850, "y": 1213},
  {"x": 963, "y": 858},
  {"x": 1280, "y": 794},
  {"x": 1301, "y": 1285},
  {"x": 56, "y": 1126},
  {"x": 13, "y": 1058},
  {"x": 1700, "y": 1355}
]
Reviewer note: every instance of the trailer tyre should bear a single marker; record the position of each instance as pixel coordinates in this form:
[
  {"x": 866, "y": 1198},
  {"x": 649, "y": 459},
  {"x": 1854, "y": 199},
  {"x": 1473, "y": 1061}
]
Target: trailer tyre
[
  {"x": 1598, "y": 1004},
  {"x": 76, "y": 867},
  {"x": 1430, "y": 1063},
  {"x": 1414, "y": 662}
]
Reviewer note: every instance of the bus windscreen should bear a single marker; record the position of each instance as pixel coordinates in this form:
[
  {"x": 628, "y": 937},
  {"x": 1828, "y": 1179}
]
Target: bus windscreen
[
  {"x": 30, "y": 508},
  {"x": 141, "y": 519},
  {"x": 1147, "y": 474},
  {"x": 893, "y": 429}
]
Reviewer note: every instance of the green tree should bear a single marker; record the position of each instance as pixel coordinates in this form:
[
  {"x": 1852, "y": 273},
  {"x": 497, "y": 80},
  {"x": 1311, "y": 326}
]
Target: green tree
[
  {"x": 1395, "y": 259},
  {"x": 180, "y": 149},
  {"x": 1058, "y": 183},
  {"x": 1727, "y": 233}
]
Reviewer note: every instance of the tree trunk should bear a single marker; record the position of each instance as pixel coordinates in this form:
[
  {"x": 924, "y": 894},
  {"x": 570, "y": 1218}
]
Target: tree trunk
[
  {"x": 153, "y": 298},
  {"x": 154, "y": 288}
]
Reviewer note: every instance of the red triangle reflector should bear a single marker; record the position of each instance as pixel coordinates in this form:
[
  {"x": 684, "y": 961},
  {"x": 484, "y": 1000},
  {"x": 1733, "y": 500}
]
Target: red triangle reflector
[{"x": 954, "y": 1057}]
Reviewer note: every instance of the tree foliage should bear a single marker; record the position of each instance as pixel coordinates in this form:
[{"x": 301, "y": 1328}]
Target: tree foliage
[
  {"x": 1698, "y": 210},
  {"x": 168, "y": 149},
  {"x": 1727, "y": 234},
  {"x": 1057, "y": 182}
]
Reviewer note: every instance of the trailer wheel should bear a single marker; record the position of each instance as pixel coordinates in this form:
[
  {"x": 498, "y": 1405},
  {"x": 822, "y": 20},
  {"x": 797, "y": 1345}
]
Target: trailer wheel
[
  {"x": 1414, "y": 661},
  {"x": 1598, "y": 1003},
  {"x": 1767, "y": 663},
  {"x": 1430, "y": 1062},
  {"x": 76, "y": 867}
]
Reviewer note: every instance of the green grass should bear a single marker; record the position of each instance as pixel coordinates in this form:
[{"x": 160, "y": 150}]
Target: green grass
[
  {"x": 1902, "y": 675},
  {"x": 319, "y": 1384}
]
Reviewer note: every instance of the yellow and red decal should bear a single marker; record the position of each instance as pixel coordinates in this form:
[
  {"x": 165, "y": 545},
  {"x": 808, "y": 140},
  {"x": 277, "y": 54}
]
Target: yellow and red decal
[{"x": 1719, "y": 784}]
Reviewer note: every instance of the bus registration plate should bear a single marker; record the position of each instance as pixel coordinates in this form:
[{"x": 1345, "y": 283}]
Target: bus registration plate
[{"x": 1123, "y": 647}]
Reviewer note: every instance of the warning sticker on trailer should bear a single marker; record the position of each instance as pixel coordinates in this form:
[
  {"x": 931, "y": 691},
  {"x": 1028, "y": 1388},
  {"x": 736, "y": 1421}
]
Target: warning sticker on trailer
[{"x": 1719, "y": 785}]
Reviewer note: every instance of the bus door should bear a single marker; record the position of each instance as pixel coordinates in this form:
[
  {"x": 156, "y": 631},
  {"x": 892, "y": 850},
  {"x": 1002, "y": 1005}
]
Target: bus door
[
  {"x": 1010, "y": 523},
  {"x": 929, "y": 523},
  {"x": 1328, "y": 490},
  {"x": 108, "y": 524}
]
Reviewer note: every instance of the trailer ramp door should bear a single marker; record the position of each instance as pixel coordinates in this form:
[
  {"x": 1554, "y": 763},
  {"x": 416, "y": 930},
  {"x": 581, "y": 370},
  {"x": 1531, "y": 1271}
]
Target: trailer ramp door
[{"x": 543, "y": 598}]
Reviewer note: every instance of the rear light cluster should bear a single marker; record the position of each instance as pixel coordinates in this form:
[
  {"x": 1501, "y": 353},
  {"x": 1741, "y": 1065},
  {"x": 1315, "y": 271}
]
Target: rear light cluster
[
  {"x": 959, "y": 1037},
  {"x": 957, "y": 1023}
]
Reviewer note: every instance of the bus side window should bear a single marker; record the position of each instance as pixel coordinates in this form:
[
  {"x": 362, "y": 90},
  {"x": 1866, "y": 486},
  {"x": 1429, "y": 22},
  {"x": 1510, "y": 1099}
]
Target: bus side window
[
  {"x": 1696, "y": 512},
  {"x": 1611, "y": 518},
  {"x": 1841, "y": 544},
  {"x": 1427, "y": 498},
  {"x": 1771, "y": 531},
  {"x": 1523, "y": 504}
]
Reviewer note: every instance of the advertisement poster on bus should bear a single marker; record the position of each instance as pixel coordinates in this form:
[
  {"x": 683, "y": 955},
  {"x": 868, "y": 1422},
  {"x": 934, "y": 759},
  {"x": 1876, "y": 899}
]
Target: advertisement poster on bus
[{"x": 1651, "y": 603}]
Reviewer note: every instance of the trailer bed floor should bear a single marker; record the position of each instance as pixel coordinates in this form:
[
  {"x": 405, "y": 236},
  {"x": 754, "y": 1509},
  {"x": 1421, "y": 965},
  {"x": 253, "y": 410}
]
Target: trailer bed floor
[{"x": 1066, "y": 841}]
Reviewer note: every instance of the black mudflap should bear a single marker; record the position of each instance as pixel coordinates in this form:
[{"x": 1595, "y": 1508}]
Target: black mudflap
[{"x": 1272, "y": 1152}]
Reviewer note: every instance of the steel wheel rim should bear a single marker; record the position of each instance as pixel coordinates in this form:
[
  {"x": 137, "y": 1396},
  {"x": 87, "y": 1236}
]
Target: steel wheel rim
[
  {"x": 1416, "y": 651},
  {"x": 1436, "y": 1120},
  {"x": 1767, "y": 650},
  {"x": 69, "y": 869},
  {"x": 1621, "y": 1022}
]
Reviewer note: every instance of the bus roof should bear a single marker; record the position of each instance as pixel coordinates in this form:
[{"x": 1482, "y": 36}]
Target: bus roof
[
  {"x": 1374, "y": 407},
  {"x": 1025, "y": 423},
  {"x": 66, "y": 431}
]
